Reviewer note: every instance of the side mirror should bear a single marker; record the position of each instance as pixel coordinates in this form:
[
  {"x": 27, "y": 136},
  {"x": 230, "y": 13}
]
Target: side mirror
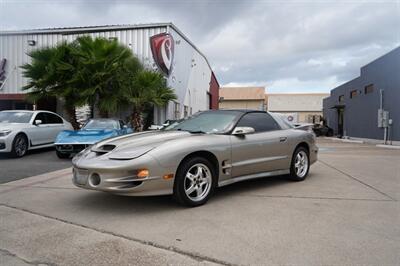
[
  {"x": 37, "y": 122},
  {"x": 240, "y": 131}
]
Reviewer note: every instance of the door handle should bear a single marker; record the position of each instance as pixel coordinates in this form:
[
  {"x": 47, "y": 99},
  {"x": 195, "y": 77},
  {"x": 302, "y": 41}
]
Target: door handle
[{"x": 282, "y": 139}]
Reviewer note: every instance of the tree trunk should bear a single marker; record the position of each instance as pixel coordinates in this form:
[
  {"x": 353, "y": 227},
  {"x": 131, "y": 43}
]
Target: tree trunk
[
  {"x": 136, "y": 119},
  {"x": 72, "y": 116}
]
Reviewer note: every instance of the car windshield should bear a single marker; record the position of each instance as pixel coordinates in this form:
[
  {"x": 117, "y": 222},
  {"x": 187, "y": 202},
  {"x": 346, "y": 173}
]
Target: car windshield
[
  {"x": 15, "y": 117},
  {"x": 101, "y": 124},
  {"x": 206, "y": 122}
]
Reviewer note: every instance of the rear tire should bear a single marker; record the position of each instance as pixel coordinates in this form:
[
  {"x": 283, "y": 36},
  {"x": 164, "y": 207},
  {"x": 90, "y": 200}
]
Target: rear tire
[
  {"x": 300, "y": 164},
  {"x": 62, "y": 155},
  {"x": 195, "y": 182},
  {"x": 19, "y": 146}
]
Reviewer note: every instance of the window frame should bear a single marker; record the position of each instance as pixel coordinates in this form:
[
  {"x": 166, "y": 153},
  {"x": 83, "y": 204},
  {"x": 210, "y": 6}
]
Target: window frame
[
  {"x": 368, "y": 89},
  {"x": 278, "y": 127},
  {"x": 48, "y": 119},
  {"x": 44, "y": 121},
  {"x": 355, "y": 91}
]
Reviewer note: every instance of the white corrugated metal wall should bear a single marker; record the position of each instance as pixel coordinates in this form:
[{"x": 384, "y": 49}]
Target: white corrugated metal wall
[
  {"x": 190, "y": 77},
  {"x": 15, "y": 49}
]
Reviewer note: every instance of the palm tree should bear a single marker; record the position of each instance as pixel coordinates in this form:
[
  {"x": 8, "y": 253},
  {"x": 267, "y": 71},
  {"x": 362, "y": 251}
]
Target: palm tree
[
  {"x": 104, "y": 70},
  {"x": 149, "y": 89},
  {"x": 50, "y": 74}
]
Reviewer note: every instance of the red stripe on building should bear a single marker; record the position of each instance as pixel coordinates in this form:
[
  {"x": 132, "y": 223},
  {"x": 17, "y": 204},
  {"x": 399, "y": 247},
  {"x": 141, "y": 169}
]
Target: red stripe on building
[{"x": 12, "y": 96}]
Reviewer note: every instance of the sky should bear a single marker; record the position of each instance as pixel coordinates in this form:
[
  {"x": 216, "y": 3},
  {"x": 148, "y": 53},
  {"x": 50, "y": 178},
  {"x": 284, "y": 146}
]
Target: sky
[{"x": 286, "y": 46}]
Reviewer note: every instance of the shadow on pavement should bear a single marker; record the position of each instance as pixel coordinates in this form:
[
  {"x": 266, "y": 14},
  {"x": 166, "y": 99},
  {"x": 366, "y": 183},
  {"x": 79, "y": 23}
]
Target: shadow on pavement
[{"x": 115, "y": 204}]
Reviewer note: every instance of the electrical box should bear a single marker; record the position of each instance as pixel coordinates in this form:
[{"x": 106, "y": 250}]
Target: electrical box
[{"x": 383, "y": 118}]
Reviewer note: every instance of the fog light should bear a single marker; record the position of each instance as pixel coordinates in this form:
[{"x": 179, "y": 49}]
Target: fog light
[
  {"x": 169, "y": 176},
  {"x": 94, "y": 180},
  {"x": 143, "y": 173}
]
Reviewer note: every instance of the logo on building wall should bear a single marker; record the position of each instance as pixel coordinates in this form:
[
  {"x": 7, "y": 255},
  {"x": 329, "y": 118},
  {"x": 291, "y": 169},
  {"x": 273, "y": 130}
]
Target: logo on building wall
[
  {"x": 162, "y": 48},
  {"x": 3, "y": 63}
]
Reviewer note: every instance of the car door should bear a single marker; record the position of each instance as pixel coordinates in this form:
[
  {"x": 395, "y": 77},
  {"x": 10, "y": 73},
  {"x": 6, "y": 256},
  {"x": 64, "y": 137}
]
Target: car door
[
  {"x": 262, "y": 151},
  {"x": 55, "y": 125},
  {"x": 39, "y": 134}
]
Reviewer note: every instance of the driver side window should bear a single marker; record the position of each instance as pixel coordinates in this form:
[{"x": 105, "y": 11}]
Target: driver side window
[
  {"x": 261, "y": 122},
  {"x": 42, "y": 117}
]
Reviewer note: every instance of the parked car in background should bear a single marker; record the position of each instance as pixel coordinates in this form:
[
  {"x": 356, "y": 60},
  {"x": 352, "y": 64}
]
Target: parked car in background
[
  {"x": 70, "y": 141},
  {"x": 166, "y": 124},
  {"x": 191, "y": 159},
  {"x": 22, "y": 130}
]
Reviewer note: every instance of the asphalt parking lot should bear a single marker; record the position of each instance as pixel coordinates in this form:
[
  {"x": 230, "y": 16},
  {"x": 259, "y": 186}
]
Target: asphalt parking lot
[
  {"x": 347, "y": 212},
  {"x": 35, "y": 162}
]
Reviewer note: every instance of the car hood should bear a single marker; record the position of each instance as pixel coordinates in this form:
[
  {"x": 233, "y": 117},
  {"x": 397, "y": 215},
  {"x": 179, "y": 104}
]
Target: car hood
[
  {"x": 84, "y": 136},
  {"x": 134, "y": 145},
  {"x": 12, "y": 126}
]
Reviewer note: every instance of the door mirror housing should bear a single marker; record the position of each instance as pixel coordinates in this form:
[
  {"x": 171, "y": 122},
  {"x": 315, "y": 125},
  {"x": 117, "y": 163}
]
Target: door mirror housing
[
  {"x": 37, "y": 122},
  {"x": 240, "y": 131}
]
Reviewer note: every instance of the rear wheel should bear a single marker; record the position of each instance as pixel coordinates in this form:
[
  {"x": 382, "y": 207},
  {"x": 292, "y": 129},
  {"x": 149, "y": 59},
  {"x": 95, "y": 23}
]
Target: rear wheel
[
  {"x": 19, "y": 146},
  {"x": 62, "y": 155},
  {"x": 194, "y": 182},
  {"x": 300, "y": 164}
]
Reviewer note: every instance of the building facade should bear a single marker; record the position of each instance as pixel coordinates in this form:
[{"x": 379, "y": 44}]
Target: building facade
[
  {"x": 242, "y": 98},
  {"x": 369, "y": 105},
  {"x": 158, "y": 46},
  {"x": 297, "y": 107}
]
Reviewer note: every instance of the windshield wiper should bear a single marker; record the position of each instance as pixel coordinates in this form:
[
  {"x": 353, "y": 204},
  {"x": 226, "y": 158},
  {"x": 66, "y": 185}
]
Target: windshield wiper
[{"x": 192, "y": 131}]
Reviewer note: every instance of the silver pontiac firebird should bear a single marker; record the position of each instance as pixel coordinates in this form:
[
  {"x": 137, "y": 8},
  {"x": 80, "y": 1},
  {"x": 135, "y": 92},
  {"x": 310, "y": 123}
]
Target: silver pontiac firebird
[{"x": 191, "y": 158}]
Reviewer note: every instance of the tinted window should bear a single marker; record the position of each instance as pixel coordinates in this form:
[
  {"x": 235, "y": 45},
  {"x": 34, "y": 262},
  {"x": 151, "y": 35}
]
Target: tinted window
[
  {"x": 53, "y": 119},
  {"x": 41, "y": 116},
  {"x": 259, "y": 121},
  {"x": 101, "y": 124}
]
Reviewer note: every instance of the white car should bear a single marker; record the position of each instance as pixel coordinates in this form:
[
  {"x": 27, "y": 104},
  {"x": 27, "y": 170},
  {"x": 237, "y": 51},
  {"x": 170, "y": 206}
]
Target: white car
[{"x": 22, "y": 130}]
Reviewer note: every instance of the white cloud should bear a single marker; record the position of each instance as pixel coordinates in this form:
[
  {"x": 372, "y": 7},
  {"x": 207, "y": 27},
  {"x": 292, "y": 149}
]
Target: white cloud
[{"x": 288, "y": 45}]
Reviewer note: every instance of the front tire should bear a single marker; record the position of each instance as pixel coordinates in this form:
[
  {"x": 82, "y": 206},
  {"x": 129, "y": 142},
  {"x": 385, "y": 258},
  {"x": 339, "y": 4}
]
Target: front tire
[
  {"x": 19, "y": 146},
  {"x": 62, "y": 155},
  {"x": 195, "y": 182},
  {"x": 300, "y": 165}
]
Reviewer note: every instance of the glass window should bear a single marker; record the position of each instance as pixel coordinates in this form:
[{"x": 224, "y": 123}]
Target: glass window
[
  {"x": 341, "y": 98},
  {"x": 42, "y": 117},
  {"x": 185, "y": 111},
  {"x": 53, "y": 119},
  {"x": 369, "y": 88},
  {"x": 101, "y": 124},
  {"x": 353, "y": 94},
  {"x": 177, "y": 108},
  {"x": 15, "y": 117},
  {"x": 208, "y": 122},
  {"x": 261, "y": 122}
]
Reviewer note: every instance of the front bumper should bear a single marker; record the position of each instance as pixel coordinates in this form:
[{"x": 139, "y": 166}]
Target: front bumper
[
  {"x": 6, "y": 143},
  {"x": 71, "y": 147},
  {"x": 119, "y": 176}
]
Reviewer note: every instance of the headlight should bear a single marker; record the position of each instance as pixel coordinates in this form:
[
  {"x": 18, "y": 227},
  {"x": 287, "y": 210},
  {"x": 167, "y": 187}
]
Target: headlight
[{"x": 4, "y": 133}]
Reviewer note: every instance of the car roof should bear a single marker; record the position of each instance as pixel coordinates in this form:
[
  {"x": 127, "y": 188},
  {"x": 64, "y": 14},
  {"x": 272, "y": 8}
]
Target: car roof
[
  {"x": 237, "y": 110},
  {"x": 28, "y": 111}
]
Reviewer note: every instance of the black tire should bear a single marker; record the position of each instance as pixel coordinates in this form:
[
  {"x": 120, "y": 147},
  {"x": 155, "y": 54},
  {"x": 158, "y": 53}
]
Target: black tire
[
  {"x": 62, "y": 155},
  {"x": 295, "y": 174},
  {"x": 182, "y": 183},
  {"x": 19, "y": 146}
]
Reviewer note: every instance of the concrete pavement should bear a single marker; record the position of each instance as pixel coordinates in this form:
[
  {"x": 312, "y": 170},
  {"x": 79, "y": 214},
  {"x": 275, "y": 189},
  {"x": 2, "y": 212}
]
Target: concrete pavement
[{"x": 346, "y": 212}]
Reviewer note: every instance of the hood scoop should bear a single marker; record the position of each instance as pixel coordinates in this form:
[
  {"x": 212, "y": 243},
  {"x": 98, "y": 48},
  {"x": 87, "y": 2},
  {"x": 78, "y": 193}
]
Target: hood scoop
[{"x": 103, "y": 149}]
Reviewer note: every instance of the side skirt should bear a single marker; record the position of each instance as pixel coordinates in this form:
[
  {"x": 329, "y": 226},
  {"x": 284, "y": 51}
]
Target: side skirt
[{"x": 253, "y": 176}]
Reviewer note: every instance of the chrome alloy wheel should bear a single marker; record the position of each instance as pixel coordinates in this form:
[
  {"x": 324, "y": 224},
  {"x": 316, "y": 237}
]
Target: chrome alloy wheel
[
  {"x": 301, "y": 164},
  {"x": 20, "y": 146},
  {"x": 198, "y": 182}
]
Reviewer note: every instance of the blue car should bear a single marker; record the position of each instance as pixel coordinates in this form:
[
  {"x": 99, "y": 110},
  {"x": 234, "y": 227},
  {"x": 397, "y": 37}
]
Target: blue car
[{"x": 70, "y": 141}]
